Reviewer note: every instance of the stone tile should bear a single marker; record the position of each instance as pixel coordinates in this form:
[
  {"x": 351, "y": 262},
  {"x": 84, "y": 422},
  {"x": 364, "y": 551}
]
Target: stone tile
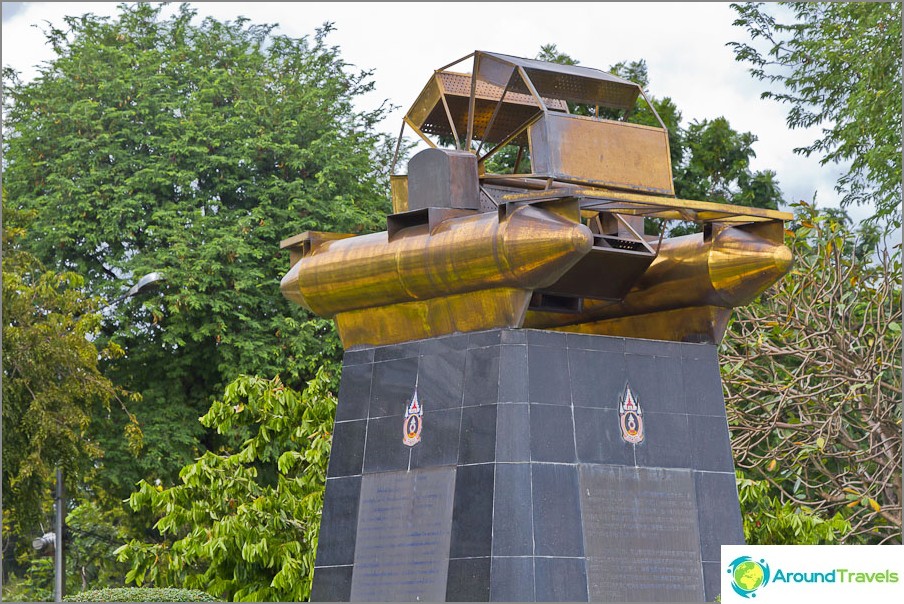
[
  {"x": 560, "y": 580},
  {"x": 597, "y": 378},
  {"x": 712, "y": 445},
  {"x": 656, "y": 507},
  {"x": 703, "y": 352},
  {"x": 666, "y": 443},
  {"x": 703, "y": 387},
  {"x": 339, "y": 523},
  {"x": 397, "y": 351},
  {"x": 548, "y": 377},
  {"x": 441, "y": 379},
  {"x": 469, "y": 580},
  {"x": 332, "y": 584},
  {"x": 659, "y": 348},
  {"x": 444, "y": 344},
  {"x": 712, "y": 580},
  {"x": 354, "y": 392},
  {"x": 479, "y": 339},
  {"x": 592, "y": 342},
  {"x": 347, "y": 451},
  {"x": 384, "y": 450},
  {"x": 512, "y": 511},
  {"x": 657, "y": 382},
  {"x": 555, "y": 339},
  {"x": 557, "y": 511},
  {"x": 508, "y": 509},
  {"x": 720, "y": 514},
  {"x": 513, "y": 432},
  {"x": 514, "y": 336},
  {"x": 439, "y": 439},
  {"x": 512, "y": 374},
  {"x": 481, "y": 385},
  {"x": 512, "y": 579},
  {"x": 358, "y": 356},
  {"x": 598, "y": 437},
  {"x": 393, "y": 386},
  {"x": 478, "y": 435},
  {"x": 472, "y": 515},
  {"x": 551, "y": 433}
]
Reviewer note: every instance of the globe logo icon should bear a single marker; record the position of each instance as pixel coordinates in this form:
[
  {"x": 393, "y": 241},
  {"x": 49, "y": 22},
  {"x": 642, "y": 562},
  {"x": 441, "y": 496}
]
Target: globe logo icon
[{"x": 748, "y": 575}]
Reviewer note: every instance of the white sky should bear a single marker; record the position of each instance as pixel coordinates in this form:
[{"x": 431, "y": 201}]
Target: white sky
[{"x": 684, "y": 45}]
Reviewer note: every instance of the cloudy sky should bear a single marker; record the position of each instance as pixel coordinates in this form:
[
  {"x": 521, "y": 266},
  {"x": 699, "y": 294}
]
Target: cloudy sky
[{"x": 684, "y": 45}]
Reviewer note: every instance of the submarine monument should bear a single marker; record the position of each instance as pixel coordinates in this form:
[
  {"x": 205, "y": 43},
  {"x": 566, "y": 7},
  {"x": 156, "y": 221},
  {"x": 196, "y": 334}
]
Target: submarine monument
[{"x": 530, "y": 407}]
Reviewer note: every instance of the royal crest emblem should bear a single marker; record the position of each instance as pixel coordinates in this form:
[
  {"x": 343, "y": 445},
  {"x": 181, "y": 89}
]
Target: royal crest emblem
[
  {"x": 630, "y": 416},
  {"x": 414, "y": 421}
]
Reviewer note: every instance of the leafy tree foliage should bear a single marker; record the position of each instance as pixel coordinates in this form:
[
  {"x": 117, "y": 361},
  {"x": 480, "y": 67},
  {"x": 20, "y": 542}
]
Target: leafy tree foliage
[
  {"x": 715, "y": 166},
  {"x": 770, "y": 520},
  {"x": 812, "y": 372},
  {"x": 160, "y": 144},
  {"x": 95, "y": 529},
  {"x": 51, "y": 385},
  {"x": 243, "y": 524},
  {"x": 836, "y": 65},
  {"x": 32, "y": 583}
]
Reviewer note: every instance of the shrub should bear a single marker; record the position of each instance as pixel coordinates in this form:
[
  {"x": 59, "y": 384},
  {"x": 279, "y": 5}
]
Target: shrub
[{"x": 141, "y": 594}]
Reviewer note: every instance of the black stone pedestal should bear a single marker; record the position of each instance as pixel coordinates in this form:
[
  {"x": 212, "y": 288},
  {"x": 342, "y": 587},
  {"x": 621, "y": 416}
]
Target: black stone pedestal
[{"x": 522, "y": 487}]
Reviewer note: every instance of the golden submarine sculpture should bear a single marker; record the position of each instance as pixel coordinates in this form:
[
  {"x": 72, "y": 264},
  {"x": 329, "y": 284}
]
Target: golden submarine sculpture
[{"x": 556, "y": 244}]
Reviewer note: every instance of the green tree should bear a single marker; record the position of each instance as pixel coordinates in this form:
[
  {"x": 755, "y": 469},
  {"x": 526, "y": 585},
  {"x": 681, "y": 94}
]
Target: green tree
[
  {"x": 715, "y": 166},
  {"x": 243, "y": 524},
  {"x": 51, "y": 386},
  {"x": 95, "y": 529},
  {"x": 161, "y": 144},
  {"x": 836, "y": 65},
  {"x": 812, "y": 373},
  {"x": 770, "y": 520}
]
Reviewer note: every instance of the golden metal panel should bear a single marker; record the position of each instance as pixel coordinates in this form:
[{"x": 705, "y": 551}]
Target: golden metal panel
[
  {"x": 575, "y": 83},
  {"x": 694, "y": 324},
  {"x": 597, "y": 198},
  {"x": 529, "y": 248},
  {"x": 425, "y": 103},
  {"x": 729, "y": 269},
  {"x": 398, "y": 185},
  {"x": 430, "y": 116},
  {"x": 301, "y": 244},
  {"x": 418, "y": 319},
  {"x": 608, "y": 153}
]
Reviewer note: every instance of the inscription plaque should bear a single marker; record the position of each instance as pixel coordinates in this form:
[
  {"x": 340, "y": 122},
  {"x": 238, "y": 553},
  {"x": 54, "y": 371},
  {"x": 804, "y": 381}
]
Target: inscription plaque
[
  {"x": 641, "y": 535},
  {"x": 404, "y": 530}
]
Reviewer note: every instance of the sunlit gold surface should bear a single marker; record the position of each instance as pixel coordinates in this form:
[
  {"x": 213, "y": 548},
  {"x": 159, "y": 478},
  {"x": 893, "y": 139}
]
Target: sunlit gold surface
[
  {"x": 652, "y": 206},
  {"x": 398, "y": 186},
  {"x": 574, "y": 148},
  {"x": 471, "y": 311},
  {"x": 729, "y": 269},
  {"x": 514, "y": 251},
  {"x": 694, "y": 324},
  {"x": 529, "y": 248}
]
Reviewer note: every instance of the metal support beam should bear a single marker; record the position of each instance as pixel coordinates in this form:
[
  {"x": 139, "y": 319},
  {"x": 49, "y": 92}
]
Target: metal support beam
[{"x": 59, "y": 560}]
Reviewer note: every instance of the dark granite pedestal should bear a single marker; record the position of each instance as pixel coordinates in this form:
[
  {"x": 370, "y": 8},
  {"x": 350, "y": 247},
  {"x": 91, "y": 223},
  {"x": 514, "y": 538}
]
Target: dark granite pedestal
[{"x": 521, "y": 487}]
